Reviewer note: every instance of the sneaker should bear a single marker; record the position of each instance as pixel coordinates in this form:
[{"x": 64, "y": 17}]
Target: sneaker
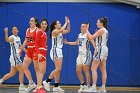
[
  {"x": 1, "y": 81},
  {"x": 91, "y": 89},
  {"x": 58, "y": 89},
  {"x": 82, "y": 88},
  {"x": 86, "y": 89},
  {"x": 41, "y": 90},
  {"x": 34, "y": 90},
  {"x": 22, "y": 88},
  {"x": 102, "y": 90},
  {"x": 31, "y": 87},
  {"x": 46, "y": 85}
]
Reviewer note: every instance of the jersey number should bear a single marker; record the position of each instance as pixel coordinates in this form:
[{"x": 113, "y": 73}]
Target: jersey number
[
  {"x": 30, "y": 40},
  {"x": 80, "y": 43}
]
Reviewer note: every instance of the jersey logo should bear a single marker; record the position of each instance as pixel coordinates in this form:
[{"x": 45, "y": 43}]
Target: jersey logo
[{"x": 80, "y": 41}]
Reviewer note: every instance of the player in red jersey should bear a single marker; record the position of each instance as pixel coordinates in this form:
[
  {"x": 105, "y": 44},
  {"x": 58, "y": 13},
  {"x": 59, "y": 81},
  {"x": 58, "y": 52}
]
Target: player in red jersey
[
  {"x": 30, "y": 54},
  {"x": 41, "y": 51}
]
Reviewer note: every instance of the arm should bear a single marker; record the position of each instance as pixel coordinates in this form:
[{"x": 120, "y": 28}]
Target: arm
[
  {"x": 7, "y": 39},
  {"x": 22, "y": 47},
  {"x": 68, "y": 28},
  {"x": 24, "y": 50},
  {"x": 89, "y": 36},
  {"x": 56, "y": 32},
  {"x": 71, "y": 43},
  {"x": 97, "y": 34}
]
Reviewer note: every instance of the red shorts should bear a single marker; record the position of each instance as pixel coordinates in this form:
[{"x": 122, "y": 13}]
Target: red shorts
[
  {"x": 44, "y": 53},
  {"x": 31, "y": 53}
]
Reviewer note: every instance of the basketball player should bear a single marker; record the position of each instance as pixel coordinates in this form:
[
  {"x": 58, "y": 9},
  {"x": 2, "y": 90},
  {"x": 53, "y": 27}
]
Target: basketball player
[
  {"x": 41, "y": 51},
  {"x": 16, "y": 63},
  {"x": 30, "y": 54},
  {"x": 99, "y": 60},
  {"x": 56, "y": 52},
  {"x": 84, "y": 57}
]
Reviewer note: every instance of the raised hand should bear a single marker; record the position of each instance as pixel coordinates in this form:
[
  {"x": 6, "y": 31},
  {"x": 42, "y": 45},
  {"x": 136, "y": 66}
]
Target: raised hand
[
  {"x": 66, "y": 19},
  {"x": 6, "y": 29}
]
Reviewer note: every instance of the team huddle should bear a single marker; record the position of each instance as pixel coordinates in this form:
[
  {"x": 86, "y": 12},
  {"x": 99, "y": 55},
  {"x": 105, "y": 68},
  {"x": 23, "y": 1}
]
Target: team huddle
[{"x": 36, "y": 51}]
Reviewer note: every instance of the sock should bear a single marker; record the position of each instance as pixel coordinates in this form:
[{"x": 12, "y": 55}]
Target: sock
[
  {"x": 21, "y": 85},
  {"x": 88, "y": 85},
  {"x": 48, "y": 80},
  {"x": 103, "y": 86},
  {"x": 83, "y": 84},
  {"x": 39, "y": 87},
  {"x": 94, "y": 86},
  {"x": 56, "y": 84},
  {"x": 31, "y": 82}
]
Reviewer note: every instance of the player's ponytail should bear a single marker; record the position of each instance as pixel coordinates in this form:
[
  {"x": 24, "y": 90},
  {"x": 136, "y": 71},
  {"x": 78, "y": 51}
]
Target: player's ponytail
[
  {"x": 52, "y": 27},
  {"x": 37, "y": 22},
  {"x": 104, "y": 21}
]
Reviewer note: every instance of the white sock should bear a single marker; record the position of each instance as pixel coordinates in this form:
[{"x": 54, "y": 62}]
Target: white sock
[
  {"x": 21, "y": 84},
  {"x": 39, "y": 87},
  {"x": 103, "y": 86},
  {"x": 30, "y": 81},
  {"x": 94, "y": 86},
  {"x": 88, "y": 85}
]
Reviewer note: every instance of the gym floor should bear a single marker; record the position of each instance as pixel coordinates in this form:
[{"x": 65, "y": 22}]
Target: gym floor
[{"x": 72, "y": 89}]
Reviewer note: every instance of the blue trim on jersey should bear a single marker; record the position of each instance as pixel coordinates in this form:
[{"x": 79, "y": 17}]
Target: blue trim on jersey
[
  {"x": 56, "y": 41},
  {"x": 12, "y": 45},
  {"x": 100, "y": 49}
]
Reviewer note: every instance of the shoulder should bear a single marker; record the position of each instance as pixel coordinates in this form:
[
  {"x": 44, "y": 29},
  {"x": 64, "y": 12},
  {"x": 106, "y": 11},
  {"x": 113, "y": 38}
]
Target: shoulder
[{"x": 79, "y": 34}]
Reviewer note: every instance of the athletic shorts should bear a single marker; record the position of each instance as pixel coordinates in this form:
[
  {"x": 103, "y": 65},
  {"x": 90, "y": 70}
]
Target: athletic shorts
[
  {"x": 43, "y": 51},
  {"x": 102, "y": 53},
  {"x": 56, "y": 53},
  {"x": 15, "y": 60},
  {"x": 31, "y": 52},
  {"x": 84, "y": 58}
]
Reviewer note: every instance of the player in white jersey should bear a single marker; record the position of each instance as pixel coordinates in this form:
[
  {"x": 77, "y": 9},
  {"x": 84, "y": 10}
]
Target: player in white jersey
[
  {"x": 99, "y": 60},
  {"x": 56, "y": 52},
  {"x": 16, "y": 63},
  {"x": 84, "y": 57}
]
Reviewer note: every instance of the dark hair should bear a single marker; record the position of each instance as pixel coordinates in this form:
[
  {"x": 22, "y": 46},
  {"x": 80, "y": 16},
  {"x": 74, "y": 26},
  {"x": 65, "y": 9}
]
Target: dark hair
[
  {"x": 52, "y": 27},
  {"x": 87, "y": 23},
  {"x": 44, "y": 19},
  {"x": 37, "y": 22},
  {"x": 14, "y": 26},
  {"x": 104, "y": 21}
]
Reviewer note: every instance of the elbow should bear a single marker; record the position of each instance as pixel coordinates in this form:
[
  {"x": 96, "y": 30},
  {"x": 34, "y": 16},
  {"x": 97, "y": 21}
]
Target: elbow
[{"x": 7, "y": 40}]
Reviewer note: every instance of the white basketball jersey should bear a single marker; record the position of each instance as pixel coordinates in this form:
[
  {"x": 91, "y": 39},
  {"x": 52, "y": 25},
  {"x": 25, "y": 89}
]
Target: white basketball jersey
[
  {"x": 15, "y": 45},
  {"x": 57, "y": 42},
  {"x": 102, "y": 40},
  {"x": 83, "y": 42}
]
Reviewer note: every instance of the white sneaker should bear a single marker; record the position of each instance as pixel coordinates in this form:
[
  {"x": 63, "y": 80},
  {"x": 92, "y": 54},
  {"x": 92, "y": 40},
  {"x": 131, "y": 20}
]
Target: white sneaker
[
  {"x": 86, "y": 89},
  {"x": 1, "y": 81},
  {"x": 58, "y": 89},
  {"x": 46, "y": 85},
  {"x": 31, "y": 87},
  {"x": 34, "y": 90},
  {"x": 92, "y": 89},
  {"x": 102, "y": 90},
  {"x": 22, "y": 88},
  {"x": 82, "y": 88}
]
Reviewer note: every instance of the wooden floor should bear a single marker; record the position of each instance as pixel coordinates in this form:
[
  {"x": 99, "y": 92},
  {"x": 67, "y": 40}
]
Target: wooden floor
[{"x": 72, "y": 89}]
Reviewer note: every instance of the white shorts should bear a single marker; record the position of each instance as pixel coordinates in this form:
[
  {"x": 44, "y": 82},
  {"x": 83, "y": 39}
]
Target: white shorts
[
  {"x": 15, "y": 60},
  {"x": 102, "y": 53},
  {"x": 56, "y": 53},
  {"x": 84, "y": 58}
]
